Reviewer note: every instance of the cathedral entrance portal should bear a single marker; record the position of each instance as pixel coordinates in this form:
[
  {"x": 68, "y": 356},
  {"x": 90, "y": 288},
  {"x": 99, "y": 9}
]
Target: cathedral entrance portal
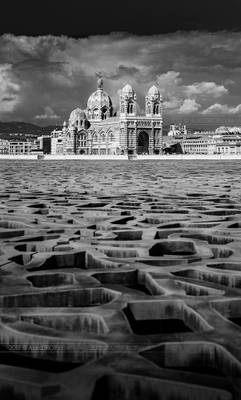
[{"x": 142, "y": 143}]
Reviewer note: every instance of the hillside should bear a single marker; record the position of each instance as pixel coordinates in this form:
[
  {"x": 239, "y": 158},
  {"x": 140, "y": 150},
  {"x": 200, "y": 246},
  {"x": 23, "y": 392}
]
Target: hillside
[{"x": 21, "y": 130}]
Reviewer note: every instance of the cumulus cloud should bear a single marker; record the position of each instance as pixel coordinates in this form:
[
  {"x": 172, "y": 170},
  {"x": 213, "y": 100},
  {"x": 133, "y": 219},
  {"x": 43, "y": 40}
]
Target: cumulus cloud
[
  {"x": 185, "y": 98},
  {"x": 222, "y": 109},
  {"x": 39, "y": 74},
  {"x": 189, "y": 106},
  {"x": 48, "y": 114},
  {"x": 172, "y": 104},
  {"x": 205, "y": 89}
]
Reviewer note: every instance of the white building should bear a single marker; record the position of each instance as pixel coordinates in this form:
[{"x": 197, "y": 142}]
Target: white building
[
  {"x": 177, "y": 130},
  {"x": 20, "y": 148},
  {"x": 57, "y": 145},
  {"x": 221, "y": 143},
  {"x": 4, "y": 146}
]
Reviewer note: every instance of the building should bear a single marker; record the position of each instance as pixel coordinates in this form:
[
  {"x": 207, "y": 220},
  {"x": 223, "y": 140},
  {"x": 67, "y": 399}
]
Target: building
[
  {"x": 99, "y": 129},
  {"x": 221, "y": 143},
  {"x": 47, "y": 144},
  {"x": 57, "y": 145},
  {"x": 177, "y": 130},
  {"x": 44, "y": 143},
  {"x": 228, "y": 130},
  {"x": 4, "y": 146},
  {"x": 202, "y": 133},
  {"x": 228, "y": 143},
  {"x": 198, "y": 145},
  {"x": 20, "y": 148}
]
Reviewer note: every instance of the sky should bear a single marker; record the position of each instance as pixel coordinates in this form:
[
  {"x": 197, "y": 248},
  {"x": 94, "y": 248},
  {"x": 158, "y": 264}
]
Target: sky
[{"x": 51, "y": 51}]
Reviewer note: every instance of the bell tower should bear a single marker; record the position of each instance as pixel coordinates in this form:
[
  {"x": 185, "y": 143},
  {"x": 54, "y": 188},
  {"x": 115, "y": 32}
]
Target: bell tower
[
  {"x": 127, "y": 102},
  {"x": 153, "y": 103}
]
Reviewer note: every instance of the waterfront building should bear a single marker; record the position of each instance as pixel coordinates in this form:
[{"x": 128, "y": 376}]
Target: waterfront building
[
  {"x": 46, "y": 147},
  {"x": 99, "y": 129},
  {"x": 221, "y": 143},
  {"x": 57, "y": 145},
  {"x": 4, "y": 146},
  {"x": 20, "y": 148},
  {"x": 52, "y": 144},
  {"x": 200, "y": 145},
  {"x": 43, "y": 143}
]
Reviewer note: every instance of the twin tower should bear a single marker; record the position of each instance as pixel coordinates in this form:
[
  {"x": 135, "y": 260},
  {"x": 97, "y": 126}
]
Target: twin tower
[
  {"x": 128, "y": 103},
  {"x": 99, "y": 105}
]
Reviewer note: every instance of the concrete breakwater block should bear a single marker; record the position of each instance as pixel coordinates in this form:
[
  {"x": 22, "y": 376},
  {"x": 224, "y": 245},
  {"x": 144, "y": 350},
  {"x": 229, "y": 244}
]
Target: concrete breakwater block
[{"x": 120, "y": 280}]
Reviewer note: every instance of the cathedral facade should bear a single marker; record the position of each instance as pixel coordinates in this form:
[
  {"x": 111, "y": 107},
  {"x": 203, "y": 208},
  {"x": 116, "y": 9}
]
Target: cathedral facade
[{"x": 100, "y": 130}]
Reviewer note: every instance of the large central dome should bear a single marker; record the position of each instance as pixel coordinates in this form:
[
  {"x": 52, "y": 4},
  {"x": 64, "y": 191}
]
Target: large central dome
[{"x": 99, "y": 105}]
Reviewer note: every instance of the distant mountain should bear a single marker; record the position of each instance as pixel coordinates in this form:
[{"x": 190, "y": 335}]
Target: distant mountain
[{"x": 23, "y": 130}]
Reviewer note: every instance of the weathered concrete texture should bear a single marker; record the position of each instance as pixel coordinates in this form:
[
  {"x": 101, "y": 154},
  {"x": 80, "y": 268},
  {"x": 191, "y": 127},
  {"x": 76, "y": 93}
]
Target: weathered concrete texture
[{"x": 120, "y": 280}]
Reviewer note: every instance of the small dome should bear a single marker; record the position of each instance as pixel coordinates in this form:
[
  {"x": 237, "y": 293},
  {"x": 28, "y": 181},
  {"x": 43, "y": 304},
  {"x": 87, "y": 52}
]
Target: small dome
[
  {"x": 153, "y": 91},
  {"x": 222, "y": 129},
  {"x": 77, "y": 113},
  {"x": 77, "y": 117}
]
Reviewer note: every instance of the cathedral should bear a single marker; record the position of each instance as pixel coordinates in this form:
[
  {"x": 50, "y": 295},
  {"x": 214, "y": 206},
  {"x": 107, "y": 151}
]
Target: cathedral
[{"x": 100, "y": 130}]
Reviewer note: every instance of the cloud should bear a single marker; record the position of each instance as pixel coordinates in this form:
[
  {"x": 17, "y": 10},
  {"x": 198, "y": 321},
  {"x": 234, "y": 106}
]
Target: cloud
[
  {"x": 185, "y": 98},
  {"x": 48, "y": 114},
  {"x": 193, "y": 71},
  {"x": 222, "y": 109},
  {"x": 205, "y": 89},
  {"x": 172, "y": 104},
  {"x": 9, "y": 90},
  {"x": 122, "y": 71},
  {"x": 189, "y": 106}
]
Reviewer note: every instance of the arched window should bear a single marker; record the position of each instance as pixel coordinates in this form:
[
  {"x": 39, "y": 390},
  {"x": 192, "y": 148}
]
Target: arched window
[
  {"x": 112, "y": 137},
  {"x": 104, "y": 112},
  {"x": 82, "y": 139},
  {"x": 156, "y": 109},
  {"x": 95, "y": 113},
  {"x": 103, "y": 138},
  {"x": 130, "y": 108}
]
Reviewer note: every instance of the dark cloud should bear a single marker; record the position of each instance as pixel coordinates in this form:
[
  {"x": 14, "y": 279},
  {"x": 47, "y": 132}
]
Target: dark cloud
[
  {"x": 44, "y": 78},
  {"x": 84, "y": 18},
  {"x": 9, "y": 98},
  {"x": 122, "y": 71}
]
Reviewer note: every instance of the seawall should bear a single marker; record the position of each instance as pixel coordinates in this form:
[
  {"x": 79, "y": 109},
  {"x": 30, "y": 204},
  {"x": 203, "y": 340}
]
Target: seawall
[{"x": 185, "y": 157}]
